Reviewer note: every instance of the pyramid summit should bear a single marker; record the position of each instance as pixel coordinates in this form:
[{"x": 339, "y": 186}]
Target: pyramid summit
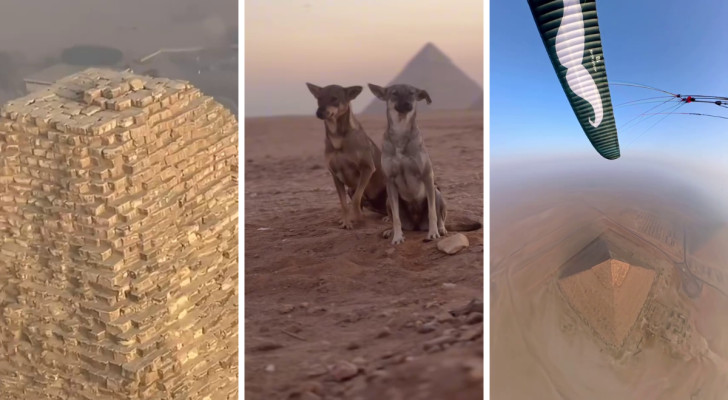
[
  {"x": 606, "y": 291},
  {"x": 449, "y": 87}
]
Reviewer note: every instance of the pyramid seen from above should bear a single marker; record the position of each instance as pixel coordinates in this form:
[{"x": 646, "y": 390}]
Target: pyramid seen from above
[{"x": 606, "y": 289}]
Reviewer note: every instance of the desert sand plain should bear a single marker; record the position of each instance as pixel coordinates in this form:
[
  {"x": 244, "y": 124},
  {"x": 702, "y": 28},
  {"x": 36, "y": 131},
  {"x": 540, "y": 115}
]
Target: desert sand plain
[
  {"x": 337, "y": 314},
  {"x": 564, "y": 326}
]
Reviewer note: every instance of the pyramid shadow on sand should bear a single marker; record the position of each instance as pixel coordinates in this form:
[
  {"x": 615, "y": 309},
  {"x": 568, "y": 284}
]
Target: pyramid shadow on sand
[{"x": 604, "y": 286}]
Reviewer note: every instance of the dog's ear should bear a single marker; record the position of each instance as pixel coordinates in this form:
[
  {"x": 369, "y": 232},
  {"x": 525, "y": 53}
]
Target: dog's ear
[
  {"x": 315, "y": 90},
  {"x": 423, "y": 95},
  {"x": 352, "y": 92},
  {"x": 378, "y": 91}
]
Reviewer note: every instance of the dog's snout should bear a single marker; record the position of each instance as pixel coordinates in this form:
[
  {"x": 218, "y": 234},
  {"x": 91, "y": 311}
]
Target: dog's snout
[
  {"x": 320, "y": 113},
  {"x": 403, "y": 107}
]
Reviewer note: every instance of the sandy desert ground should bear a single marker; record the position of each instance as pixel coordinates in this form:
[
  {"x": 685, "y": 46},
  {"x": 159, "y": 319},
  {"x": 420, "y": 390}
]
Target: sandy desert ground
[
  {"x": 541, "y": 347},
  {"x": 336, "y": 314}
]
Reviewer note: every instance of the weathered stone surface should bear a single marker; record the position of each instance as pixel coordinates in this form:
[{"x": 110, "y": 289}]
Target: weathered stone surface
[
  {"x": 453, "y": 243},
  {"x": 118, "y": 241}
]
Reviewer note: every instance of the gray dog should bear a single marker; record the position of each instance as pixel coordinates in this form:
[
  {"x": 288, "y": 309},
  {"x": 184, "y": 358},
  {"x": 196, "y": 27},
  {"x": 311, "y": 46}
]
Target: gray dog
[{"x": 414, "y": 199}]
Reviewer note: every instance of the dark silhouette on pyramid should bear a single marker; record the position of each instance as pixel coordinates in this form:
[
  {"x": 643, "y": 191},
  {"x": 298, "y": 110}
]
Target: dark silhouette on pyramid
[
  {"x": 606, "y": 289},
  {"x": 448, "y": 86}
]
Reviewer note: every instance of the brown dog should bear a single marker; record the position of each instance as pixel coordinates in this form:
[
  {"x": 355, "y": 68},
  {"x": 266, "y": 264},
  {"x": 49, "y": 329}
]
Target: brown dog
[{"x": 353, "y": 159}]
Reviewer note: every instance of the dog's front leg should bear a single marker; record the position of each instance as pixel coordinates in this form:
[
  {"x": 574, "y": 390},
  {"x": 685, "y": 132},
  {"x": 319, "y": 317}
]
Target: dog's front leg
[
  {"x": 393, "y": 198},
  {"x": 365, "y": 174},
  {"x": 341, "y": 190},
  {"x": 432, "y": 226}
]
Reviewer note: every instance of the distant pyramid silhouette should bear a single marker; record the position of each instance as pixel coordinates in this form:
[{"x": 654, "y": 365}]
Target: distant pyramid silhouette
[
  {"x": 448, "y": 86},
  {"x": 608, "y": 293},
  {"x": 478, "y": 104}
]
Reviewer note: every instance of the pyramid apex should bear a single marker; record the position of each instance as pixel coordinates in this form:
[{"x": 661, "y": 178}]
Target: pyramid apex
[
  {"x": 611, "y": 273},
  {"x": 430, "y": 51},
  {"x": 431, "y": 69}
]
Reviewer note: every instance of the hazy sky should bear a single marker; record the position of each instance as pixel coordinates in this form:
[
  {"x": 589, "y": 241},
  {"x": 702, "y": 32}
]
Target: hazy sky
[
  {"x": 673, "y": 45},
  {"x": 290, "y": 42},
  {"x": 41, "y": 27}
]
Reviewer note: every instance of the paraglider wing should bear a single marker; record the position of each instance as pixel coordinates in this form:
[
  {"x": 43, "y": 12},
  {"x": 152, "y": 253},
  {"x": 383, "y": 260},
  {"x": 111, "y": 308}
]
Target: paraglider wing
[{"x": 570, "y": 32}]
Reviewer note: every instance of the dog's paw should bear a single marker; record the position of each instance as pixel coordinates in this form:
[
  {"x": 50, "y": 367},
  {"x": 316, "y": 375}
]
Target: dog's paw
[
  {"x": 386, "y": 219},
  {"x": 443, "y": 231},
  {"x": 345, "y": 224},
  {"x": 387, "y": 234},
  {"x": 433, "y": 235},
  {"x": 397, "y": 236}
]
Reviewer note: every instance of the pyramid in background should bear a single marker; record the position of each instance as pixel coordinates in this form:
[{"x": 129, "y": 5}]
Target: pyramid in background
[
  {"x": 606, "y": 291},
  {"x": 448, "y": 86}
]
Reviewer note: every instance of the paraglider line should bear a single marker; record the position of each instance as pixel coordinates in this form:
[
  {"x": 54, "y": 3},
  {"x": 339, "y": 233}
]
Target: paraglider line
[
  {"x": 652, "y": 108},
  {"x": 640, "y": 101},
  {"x": 672, "y": 110},
  {"x": 691, "y": 113},
  {"x": 643, "y": 87}
]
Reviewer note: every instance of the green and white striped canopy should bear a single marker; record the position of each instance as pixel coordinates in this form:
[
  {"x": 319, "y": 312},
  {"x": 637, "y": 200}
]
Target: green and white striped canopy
[{"x": 570, "y": 32}]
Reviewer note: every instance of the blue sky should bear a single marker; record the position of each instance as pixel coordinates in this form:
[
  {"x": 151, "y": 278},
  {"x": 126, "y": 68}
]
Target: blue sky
[{"x": 674, "y": 45}]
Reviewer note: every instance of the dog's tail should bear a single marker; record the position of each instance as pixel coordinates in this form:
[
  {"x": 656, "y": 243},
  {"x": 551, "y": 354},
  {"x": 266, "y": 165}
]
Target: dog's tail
[{"x": 463, "y": 224}]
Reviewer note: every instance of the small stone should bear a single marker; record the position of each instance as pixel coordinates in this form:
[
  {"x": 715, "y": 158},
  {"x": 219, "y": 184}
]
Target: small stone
[
  {"x": 267, "y": 346},
  {"x": 286, "y": 308},
  {"x": 474, "y": 318},
  {"x": 344, "y": 370},
  {"x": 427, "y": 327},
  {"x": 438, "y": 343},
  {"x": 472, "y": 333},
  {"x": 448, "y": 285},
  {"x": 389, "y": 251},
  {"x": 474, "y": 305},
  {"x": 316, "y": 310},
  {"x": 431, "y": 304},
  {"x": 353, "y": 346},
  {"x": 444, "y": 317},
  {"x": 384, "y": 333},
  {"x": 316, "y": 370},
  {"x": 451, "y": 332},
  {"x": 453, "y": 243},
  {"x": 270, "y": 368},
  {"x": 359, "y": 360},
  {"x": 351, "y": 318},
  {"x": 379, "y": 374}
]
